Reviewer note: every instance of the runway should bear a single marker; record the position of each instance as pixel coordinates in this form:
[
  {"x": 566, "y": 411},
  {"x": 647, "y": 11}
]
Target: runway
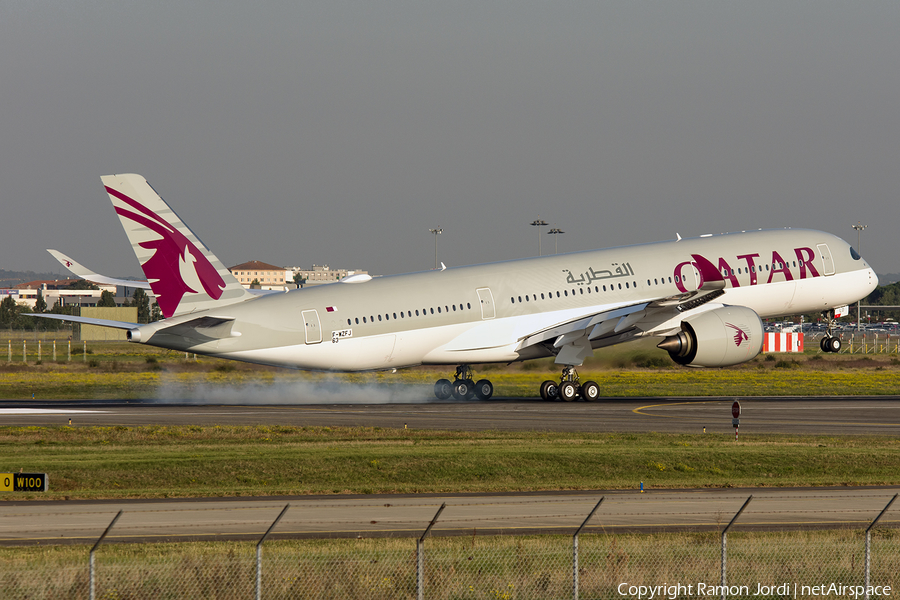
[
  {"x": 409, "y": 515},
  {"x": 839, "y": 415}
]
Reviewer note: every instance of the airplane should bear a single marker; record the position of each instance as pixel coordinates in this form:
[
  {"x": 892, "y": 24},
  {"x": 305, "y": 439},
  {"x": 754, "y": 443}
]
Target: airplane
[{"x": 705, "y": 297}]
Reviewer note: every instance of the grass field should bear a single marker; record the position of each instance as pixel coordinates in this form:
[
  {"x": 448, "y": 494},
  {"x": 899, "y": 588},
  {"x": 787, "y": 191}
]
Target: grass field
[
  {"x": 193, "y": 461},
  {"x": 128, "y": 371},
  {"x": 468, "y": 567}
]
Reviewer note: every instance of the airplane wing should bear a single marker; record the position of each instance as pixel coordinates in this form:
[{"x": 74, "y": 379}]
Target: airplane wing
[
  {"x": 84, "y": 273},
  {"x": 87, "y": 320},
  {"x": 575, "y": 340}
]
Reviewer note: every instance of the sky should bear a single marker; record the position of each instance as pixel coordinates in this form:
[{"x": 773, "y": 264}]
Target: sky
[{"x": 339, "y": 133}]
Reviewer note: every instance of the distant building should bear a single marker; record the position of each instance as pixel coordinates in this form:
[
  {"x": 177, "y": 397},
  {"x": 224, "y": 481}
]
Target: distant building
[
  {"x": 271, "y": 277},
  {"x": 321, "y": 274},
  {"x": 55, "y": 291}
]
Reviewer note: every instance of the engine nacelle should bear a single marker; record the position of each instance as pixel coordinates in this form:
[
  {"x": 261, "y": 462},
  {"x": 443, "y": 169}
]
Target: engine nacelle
[{"x": 717, "y": 338}]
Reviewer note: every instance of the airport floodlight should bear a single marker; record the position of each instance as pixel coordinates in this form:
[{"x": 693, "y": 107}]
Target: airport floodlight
[
  {"x": 555, "y": 232},
  {"x": 436, "y": 233},
  {"x": 539, "y": 222},
  {"x": 858, "y": 227}
]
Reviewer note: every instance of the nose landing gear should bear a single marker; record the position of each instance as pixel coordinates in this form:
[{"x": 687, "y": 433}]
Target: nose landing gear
[
  {"x": 569, "y": 387},
  {"x": 463, "y": 387},
  {"x": 830, "y": 343}
]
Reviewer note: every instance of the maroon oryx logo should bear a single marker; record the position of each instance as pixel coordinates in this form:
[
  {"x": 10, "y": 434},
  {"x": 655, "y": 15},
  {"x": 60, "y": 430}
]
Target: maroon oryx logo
[
  {"x": 740, "y": 336},
  {"x": 172, "y": 252}
]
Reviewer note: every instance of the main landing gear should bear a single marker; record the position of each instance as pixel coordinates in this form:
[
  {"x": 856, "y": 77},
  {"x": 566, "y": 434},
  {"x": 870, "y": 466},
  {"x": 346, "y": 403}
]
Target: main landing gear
[
  {"x": 569, "y": 387},
  {"x": 463, "y": 388},
  {"x": 830, "y": 343}
]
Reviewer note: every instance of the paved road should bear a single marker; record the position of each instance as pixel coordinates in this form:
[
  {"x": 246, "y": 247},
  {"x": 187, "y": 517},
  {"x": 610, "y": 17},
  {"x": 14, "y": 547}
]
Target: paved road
[
  {"x": 408, "y": 515},
  {"x": 861, "y": 415}
]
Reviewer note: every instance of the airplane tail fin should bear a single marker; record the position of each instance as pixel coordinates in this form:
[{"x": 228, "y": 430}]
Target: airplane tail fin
[{"x": 183, "y": 274}]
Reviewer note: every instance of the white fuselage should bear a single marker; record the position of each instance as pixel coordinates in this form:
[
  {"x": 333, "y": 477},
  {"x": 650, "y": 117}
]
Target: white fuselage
[{"x": 485, "y": 313}]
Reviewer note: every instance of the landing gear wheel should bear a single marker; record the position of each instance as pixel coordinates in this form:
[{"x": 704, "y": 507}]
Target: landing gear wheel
[
  {"x": 568, "y": 391},
  {"x": 823, "y": 344},
  {"x": 549, "y": 390},
  {"x": 834, "y": 344},
  {"x": 484, "y": 389},
  {"x": 590, "y": 391},
  {"x": 443, "y": 389},
  {"x": 463, "y": 389}
]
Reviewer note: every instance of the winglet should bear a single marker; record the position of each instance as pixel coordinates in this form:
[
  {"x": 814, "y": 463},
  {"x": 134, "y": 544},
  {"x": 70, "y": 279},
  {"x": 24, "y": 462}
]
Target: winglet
[
  {"x": 710, "y": 277},
  {"x": 83, "y": 272}
]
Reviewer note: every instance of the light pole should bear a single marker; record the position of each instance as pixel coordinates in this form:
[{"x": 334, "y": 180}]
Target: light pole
[
  {"x": 539, "y": 223},
  {"x": 555, "y": 232},
  {"x": 858, "y": 227},
  {"x": 436, "y": 233}
]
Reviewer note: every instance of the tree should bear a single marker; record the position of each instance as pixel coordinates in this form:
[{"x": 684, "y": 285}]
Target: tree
[
  {"x": 40, "y": 305},
  {"x": 8, "y": 312},
  {"x": 107, "y": 299},
  {"x": 82, "y": 284},
  {"x": 255, "y": 285},
  {"x": 155, "y": 313},
  {"x": 142, "y": 302}
]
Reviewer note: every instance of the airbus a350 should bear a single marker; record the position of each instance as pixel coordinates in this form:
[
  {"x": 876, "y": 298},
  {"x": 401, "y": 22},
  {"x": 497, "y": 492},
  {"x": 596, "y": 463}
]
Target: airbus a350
[{"x": 704, "y": 298}]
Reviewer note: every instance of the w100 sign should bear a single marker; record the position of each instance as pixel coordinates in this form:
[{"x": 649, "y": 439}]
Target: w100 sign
[{"x": 23, "y": 482}]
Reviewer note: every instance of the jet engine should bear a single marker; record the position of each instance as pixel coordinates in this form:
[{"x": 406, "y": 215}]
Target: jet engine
[{"x": 717, "y": 338}]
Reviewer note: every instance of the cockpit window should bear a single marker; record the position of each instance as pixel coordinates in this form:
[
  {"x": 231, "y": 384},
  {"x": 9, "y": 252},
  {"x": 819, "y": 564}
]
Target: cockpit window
[{"x": 854, "y": 254}]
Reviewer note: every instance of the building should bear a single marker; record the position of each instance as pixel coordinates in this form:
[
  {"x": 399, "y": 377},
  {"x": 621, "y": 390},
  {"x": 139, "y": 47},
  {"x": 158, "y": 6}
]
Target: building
[
  {"x": 268, "y": 276},
  {"x": 54, "y": 292},
  {"x": 271, "y": 277},
  {"x": 320, "y": 274}
]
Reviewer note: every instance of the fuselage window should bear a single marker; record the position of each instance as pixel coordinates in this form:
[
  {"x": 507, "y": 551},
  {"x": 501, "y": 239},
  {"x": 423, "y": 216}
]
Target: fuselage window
[
  {"x": 357, "y": 320},
  {"x": 542, "y": 295},
  {"x": 655, "y": 282},
  {"x": 566, "y": 292},
  {"x": 469, "y": 305},
  {"x": 432, "y": 311},
  {"x": 580, "y": 290},
  {"x": 596, "y": 289},
  {"x": 371, "y": 318},
  {"x": 604, "y": 288},
  {"x": 626, "y": 284},
  {"x": 589, "y": 289},
  {"x": 512, "y": 299},
  {"x": 454, "y": 308},
  {"x": 439, "y": 310},
  {"x": 417, "y": 312},
  {"x": 395, "y": 315},
  {"x": 676, "y": 280},
  {"x": 379, "y": 317},
  {"x": 364, "y": 319},
  {"x": 557, "y": 293},
  {"x": 670, "y": 280},
  {"x": 620, "y": 286},
  {"x": 520, "y": 298},
  {"x": 348, "y": 322},
  {"x": 402, "y": 316}
]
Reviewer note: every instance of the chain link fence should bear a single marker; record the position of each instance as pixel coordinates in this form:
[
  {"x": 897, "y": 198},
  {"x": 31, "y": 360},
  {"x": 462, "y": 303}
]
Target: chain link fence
[{"x": 807, "y": 563}]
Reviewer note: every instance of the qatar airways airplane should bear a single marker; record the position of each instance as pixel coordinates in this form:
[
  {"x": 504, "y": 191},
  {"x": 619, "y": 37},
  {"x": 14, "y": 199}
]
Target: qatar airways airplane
[{"x": 704, "y": 297}]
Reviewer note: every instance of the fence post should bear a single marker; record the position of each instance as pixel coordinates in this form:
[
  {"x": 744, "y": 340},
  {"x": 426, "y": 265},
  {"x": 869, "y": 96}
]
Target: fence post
[
  {"x": 10, "y": 352},
  {"x": 725, "y": 542},
  {"x": 108, "y": 527},
  {"x": 868, "y": 537},
  {"x": 54, "y": 350},
  {"x": 39, "y": 350},
  {"x": 70, "y": 351},
  {"x": 84, "y": 352},
  {"x": 575, "y": 549},
  {"x": 420, "y": 555},
  {"x": 259, "y": 550},
  {"x": 24, "y": 353}
]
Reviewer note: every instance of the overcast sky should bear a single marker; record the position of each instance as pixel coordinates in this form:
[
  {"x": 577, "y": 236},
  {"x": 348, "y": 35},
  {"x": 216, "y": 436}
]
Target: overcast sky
[{"x": 339, "y": 132}]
